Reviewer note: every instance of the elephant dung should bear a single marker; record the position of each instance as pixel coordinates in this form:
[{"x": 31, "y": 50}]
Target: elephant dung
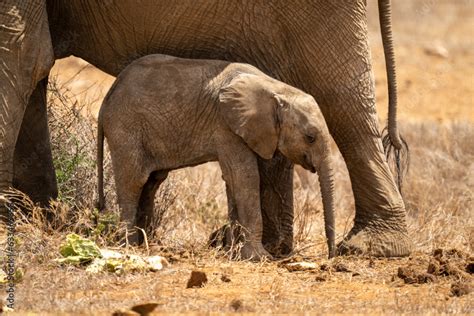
[
  {"x": 144, "y": 309},
  {"x": 197, "y": 279},
  {"x": 410, "y": 276}
]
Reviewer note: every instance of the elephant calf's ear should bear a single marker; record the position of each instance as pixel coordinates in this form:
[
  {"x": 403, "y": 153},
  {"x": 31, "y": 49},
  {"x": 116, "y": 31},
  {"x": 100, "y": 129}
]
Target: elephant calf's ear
[{"x": 248, "y": 108}]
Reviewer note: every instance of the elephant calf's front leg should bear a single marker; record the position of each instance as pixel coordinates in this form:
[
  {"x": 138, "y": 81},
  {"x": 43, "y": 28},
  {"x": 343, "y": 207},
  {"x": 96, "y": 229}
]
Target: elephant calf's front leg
[{"x": 240, "y": 172}]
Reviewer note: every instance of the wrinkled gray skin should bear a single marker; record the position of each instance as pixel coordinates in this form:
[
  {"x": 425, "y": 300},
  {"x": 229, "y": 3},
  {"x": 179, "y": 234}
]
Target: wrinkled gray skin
[
  {"x": 165, "y": 113},
  {"x": 318, "y": 46}
]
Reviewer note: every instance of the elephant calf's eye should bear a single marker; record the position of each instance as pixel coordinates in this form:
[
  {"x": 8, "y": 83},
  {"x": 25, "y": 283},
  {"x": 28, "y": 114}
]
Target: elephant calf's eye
[{"x": 310, "y": 139}]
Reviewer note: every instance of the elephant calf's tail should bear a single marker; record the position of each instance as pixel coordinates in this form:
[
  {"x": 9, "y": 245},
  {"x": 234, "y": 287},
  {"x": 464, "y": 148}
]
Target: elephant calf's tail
[
  {"x": 394, "y": 145},
  {"x": 100, "y": 164}
]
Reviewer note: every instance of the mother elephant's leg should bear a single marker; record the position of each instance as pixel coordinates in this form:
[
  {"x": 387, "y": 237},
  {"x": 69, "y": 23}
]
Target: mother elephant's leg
[
  {"x": 335, "y": 67},
  {"x": 33, "y": 170},
  {"x": 26, "y": 56},
  {"x": 380, "y": 227}
]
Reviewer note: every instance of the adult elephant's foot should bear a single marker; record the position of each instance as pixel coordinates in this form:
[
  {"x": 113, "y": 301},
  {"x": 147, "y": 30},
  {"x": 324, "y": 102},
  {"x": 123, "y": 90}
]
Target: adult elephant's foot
[{"x": 376, "y": 242}]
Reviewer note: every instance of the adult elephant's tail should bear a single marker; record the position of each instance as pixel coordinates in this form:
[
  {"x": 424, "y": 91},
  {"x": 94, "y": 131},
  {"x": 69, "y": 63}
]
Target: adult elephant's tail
[
  {"x": 394, "y": 145},
  {"x": 100, "y": 163}
]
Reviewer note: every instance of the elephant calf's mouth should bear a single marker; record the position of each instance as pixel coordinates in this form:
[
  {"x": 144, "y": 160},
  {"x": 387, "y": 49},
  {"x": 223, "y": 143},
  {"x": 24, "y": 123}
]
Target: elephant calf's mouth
[{"x": 307, "y": 164}]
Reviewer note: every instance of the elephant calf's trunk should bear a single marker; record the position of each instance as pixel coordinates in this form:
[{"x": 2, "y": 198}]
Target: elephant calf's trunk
[{"x": 326, "y": 182}]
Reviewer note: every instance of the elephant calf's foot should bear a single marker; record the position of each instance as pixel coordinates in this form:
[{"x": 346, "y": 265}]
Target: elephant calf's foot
[
  {"x": 254, "y": 252},
  {"x": 276, "y": 246},
  {"x": 377, "y": 244}
]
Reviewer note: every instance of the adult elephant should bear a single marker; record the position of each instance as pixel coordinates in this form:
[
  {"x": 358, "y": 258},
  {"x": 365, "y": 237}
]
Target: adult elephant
[{"x": 319, "y": 46}]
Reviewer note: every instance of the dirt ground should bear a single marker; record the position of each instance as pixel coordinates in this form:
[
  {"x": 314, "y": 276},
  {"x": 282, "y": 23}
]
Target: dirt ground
[
  {"x": 344, "y": 285},
  {"x": 435, "y": 58}
]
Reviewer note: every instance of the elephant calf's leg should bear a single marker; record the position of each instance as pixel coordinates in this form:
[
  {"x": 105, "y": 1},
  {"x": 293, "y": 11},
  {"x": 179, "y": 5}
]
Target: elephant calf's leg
[
  {"x": 240, "y": 171},
  {"x": 129, "y": 186},
  {"x": 276, "y": 195},
  {"x": 226, "y": 235},
  {"x": 276, "y": 201},
  {"x": 146, "y": 215}
]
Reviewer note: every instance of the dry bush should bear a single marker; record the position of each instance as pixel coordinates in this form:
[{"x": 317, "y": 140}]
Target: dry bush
[
  {"x": 73, "y": 141},
  {"x": 193, "y": 204}
]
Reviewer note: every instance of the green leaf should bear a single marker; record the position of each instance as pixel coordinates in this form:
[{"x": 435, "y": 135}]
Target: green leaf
[{"x": 77, "y": 250}]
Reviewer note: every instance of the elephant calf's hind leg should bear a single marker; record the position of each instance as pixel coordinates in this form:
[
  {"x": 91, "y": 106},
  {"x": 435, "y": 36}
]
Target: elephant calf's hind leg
[
  {"x": 129, "y": 188},
  {"x": 146, "y": 216}
]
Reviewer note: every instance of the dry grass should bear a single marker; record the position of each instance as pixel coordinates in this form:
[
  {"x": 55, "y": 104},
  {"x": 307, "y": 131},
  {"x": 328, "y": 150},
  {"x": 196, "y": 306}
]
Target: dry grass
[{"x": 438, "y": 193}]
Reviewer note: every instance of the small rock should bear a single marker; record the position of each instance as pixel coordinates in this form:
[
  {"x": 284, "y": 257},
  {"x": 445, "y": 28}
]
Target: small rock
[
  {"x": 110, "y": 254},
  {"x": 156, "y": 263},
  {"x": 460, "y": 289},
  {"x": 301, "y": 266},
  {"x": 197, "y": 279}
]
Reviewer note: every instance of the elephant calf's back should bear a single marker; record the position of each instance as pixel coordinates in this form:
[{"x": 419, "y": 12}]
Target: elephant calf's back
[{"x": 166, "y": 107}]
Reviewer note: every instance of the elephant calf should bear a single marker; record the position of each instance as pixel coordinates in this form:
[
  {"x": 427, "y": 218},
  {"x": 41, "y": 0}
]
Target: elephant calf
[{"x": 165, "y": 113}]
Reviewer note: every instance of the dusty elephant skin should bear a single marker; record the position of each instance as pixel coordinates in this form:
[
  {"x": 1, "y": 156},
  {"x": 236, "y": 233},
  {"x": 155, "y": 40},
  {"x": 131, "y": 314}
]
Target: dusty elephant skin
[
  {"x": 300, "y": 43},
  {"x": 24, "y": 63},
  {"x": 165, "y": 113}
]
